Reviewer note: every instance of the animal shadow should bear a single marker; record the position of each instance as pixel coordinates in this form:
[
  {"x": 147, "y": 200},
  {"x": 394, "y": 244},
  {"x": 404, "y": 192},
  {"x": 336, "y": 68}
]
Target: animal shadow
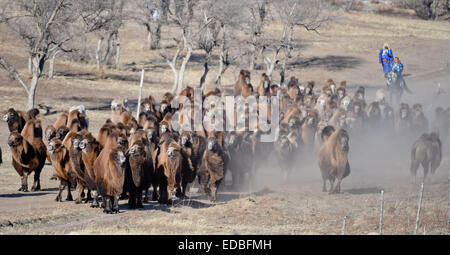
[
  {"x": 361, "y": 191},
  {"x": 195, "y": 204},
  {"x": 146, "y": 207},
  {"x": 24, "y": 194},
  {"x": 226, "y": 195},
  {"x": 330, "y": 62}
]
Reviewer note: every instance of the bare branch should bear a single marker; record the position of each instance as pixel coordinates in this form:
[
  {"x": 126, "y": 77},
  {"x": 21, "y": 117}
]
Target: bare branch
[{"x": 12, "y": 72}]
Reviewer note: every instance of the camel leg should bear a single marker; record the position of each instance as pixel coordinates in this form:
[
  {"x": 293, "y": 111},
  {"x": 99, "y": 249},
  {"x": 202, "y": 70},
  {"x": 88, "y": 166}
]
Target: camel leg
[
  {"x": 145, "y": 196},
  {"x": 155, "y": 191},
  {"x": 94, "y": 199},
  {"x": 88, "y": 196},
  {"x": 324, "y": 186},
  {"x": 414, "y": 166},
  {"x": 183, "y": 189},
  {"x": 234, "y": 180},
  {"x": 24, "y": 180},
  {"x": 37, "y": 182},
  {"x": 107, "y": 202},
  {"x": 132, "y": 198},
  {"x": 433, "y": 169},
  {"x": 69, "y": 193},
  {"x": 337, "y": 188},
  {"x": 178, "y": 192},
  {"x": 61, "y": 188},
  {"x": 139, "y": 199},
  {"x": 426, "y": 167},
  {"x": 115, "y": 207},
  {"x": 213, "y": 189},
  {"x": 331, "y": 185},
  {"x": 80, "y": 190},
  {"x": 163, "y": 194},
  {"x": 324, "y": 179}
]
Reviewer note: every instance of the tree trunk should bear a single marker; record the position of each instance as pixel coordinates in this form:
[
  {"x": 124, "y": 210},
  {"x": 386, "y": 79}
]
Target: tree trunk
[
  {"x": 109, "y": 50},
  {"x": 223, "y": 60},
  {"x": 32, "y": 92},
  {"x": 155, "y": 43},
  {"x": 205, "y": 72},
  {"x": 288, "y": 53},
  {"x": 154, "y": 37},
  {"x": 165, "y": 8},
  {"x": 116, "y": 65},
  {"x": 221, "y": 71},
  {"x": 270, "y": 69},
  {"x": 30, "y": 65},
  {"x": 270, "y": 64},
  {"x": 38, "y": 66},
  {"x": 149, "y": 38},
  {"x": 223, "y": 67},
  {"x": 183, "y": 68},
  {"x": 283, "y": 72},
  {"x": 52, "y": 64},
  {"x": 252, "y": 57},
  {"x": 175, "y": 79},
  {"x": 97, "y": 52},
  {"x": 172, "y": 65},
  {"x": 84, "y": 54}
]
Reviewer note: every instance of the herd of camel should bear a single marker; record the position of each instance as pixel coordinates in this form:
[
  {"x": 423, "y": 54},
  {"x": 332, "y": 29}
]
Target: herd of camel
[{"x": 129, "y": 156}]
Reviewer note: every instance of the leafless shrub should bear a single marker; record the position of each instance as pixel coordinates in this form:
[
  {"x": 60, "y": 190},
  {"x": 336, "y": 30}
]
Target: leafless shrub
[
  {"x": 221, "y": 33},
  {"x": 182, "y": 14},
  {"x": 348, "y": 5},
  {"x": 291, "y": 14},
  {"x": 152, "y": 15},
  {"x": 104, "y": 18},
  {"x": 44, "y": 28},
  {"x": 426, "y": 9}
]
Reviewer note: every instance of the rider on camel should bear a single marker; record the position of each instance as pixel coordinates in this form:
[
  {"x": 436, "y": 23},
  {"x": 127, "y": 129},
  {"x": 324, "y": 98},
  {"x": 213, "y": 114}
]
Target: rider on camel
[{"x": 397, "y": 67}]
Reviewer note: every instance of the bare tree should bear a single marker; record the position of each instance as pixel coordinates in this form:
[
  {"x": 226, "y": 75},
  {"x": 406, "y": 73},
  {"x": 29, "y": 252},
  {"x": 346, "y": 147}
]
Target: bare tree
[
  {"x": 258, "y": 18},
  {"x": 104, "y": 18},
  {"x": 222, "y": 33},
  {"x": 43, "y": 28},
  {"x": 207, "y": 41},
  {"x": 225, "y": 58},
  {"x": 151, "y": 15},
  {"x": 307, "y": 14},
  {"x": 182, "y": 15}
]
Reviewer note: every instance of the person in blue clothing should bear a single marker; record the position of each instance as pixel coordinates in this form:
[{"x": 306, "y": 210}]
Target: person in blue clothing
[
  {"x": 386, "y": 59},
  {"x": 397, "y": 67}
]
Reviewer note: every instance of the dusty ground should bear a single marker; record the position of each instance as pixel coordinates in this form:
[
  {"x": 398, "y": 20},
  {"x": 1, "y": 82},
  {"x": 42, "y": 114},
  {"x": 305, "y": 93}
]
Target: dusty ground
[{"x": 346, "y": 49}]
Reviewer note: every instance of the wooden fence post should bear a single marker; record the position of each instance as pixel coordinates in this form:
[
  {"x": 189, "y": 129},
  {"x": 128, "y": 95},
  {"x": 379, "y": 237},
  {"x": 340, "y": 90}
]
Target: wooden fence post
[
  {"x": 381, "y": 212},
  {"x": 343, "y": 224},
  {"x": 418, "y": 209},
  {"x": 140, "y": 95}
]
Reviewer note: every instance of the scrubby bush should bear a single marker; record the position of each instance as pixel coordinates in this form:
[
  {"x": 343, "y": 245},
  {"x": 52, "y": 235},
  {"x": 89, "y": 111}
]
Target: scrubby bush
[
  {"x": 348, "y": 5},
  {"x": 426, "y": 9}
]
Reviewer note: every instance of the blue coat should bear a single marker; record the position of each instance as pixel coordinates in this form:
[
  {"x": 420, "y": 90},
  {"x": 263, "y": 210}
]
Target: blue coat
[
  {"x": 397, "y": 67},
  {"x": 386, "y": 58}
]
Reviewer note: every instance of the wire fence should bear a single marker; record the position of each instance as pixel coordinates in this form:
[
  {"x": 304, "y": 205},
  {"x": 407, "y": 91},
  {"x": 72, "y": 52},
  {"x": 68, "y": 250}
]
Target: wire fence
[{"x": 372, "y": 208}]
